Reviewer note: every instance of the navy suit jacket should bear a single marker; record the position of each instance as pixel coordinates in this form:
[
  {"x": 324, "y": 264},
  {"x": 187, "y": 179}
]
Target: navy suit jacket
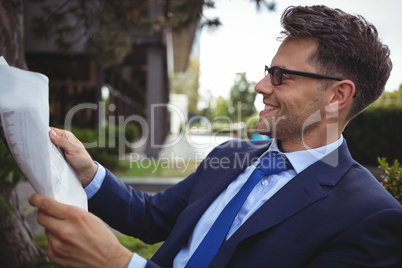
[{"x": 326, "y": 216}]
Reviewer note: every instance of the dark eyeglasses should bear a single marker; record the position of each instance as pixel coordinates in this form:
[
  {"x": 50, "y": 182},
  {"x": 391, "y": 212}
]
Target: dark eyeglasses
[{"x": 276, "y": 75}]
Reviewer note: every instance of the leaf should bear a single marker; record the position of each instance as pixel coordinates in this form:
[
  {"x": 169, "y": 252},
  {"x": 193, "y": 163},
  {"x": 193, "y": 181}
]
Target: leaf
[{"x": 392, "y": 177}]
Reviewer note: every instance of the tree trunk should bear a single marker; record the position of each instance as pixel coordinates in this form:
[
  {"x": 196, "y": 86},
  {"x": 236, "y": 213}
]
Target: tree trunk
[
  {"x": 16, "y": 244},
  {"x": 17, "y": 248},
  {"x": 12, "y": 33}
]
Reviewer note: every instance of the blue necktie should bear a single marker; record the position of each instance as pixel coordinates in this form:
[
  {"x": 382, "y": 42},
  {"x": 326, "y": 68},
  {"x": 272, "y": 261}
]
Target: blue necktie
[{"x": 270, "y": 163}]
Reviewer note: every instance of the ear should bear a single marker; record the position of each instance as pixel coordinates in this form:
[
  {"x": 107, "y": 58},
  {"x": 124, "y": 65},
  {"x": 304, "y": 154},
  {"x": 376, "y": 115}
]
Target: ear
[{"x": 341, "y": 95}]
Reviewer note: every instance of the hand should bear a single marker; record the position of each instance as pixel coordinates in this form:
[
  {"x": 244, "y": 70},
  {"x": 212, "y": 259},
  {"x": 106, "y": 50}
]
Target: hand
[
  {"x": 78, "y": 238},
  {"x": 75, "y": 153}
]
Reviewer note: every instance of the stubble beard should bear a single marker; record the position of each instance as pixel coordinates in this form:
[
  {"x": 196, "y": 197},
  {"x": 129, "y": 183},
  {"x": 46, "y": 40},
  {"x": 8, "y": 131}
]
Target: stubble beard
[{"x": 288, "y": 128}]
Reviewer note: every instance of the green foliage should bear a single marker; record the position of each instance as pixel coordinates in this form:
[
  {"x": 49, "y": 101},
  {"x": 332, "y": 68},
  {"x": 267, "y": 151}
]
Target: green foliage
[
  {"x": 207, "y": 100},
  {"x": 270, "y": 6},
  {"x": 151, "y": 168},
  {"x": 112, "y": 44},
  {"x": 242, "y": 97},
  {"x": 103, "y": 144},
  {"x": 9, "y": 170},
  {"x": 133, "y": 244},
  {"x": 376, "y": 131},
  {"x": 208, "y": 112},
  {"x": 390, "y": 98},
  {"x": 139, "y": 247},
  {"x": 221, "y": 107},
  {"x": 105, "y": 26},
  {"x": 10, "y": 173},
  {"x": 5, "y": 208},
  {"x": 392, "y": 180},
  {"x": 42, "y": 243},
  {"x": 185, "y": 13},
  {"x": 42, "y": 262},
  {"x": 251, "y": 125}
]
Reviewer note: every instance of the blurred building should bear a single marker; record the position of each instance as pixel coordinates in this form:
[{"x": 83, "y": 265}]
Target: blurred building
[{"x": 138, "y": 86}]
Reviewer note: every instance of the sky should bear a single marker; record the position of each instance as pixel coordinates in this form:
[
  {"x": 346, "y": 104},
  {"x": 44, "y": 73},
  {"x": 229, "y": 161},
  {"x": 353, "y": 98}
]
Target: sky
[{"x": 247, "y": 39}]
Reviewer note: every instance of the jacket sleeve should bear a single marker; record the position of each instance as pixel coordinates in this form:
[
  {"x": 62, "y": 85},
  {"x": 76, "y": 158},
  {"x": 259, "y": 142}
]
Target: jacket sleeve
[
  {"x": 375, "y": 241},
  {"x": 147, "y": 217},
  {"x": 151, "y": 264}
]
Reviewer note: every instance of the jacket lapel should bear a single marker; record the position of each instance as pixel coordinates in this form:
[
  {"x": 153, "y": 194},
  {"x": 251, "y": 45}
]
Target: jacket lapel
[{"x": 213, "y": 182}]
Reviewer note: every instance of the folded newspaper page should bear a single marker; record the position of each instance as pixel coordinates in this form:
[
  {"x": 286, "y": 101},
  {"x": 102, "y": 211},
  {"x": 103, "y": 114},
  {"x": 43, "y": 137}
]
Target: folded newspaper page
[{"x": 24, "y": 114}]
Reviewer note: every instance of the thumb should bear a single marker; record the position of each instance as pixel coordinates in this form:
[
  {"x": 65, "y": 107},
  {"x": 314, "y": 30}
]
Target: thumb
[{"x": 59, "y": 138}]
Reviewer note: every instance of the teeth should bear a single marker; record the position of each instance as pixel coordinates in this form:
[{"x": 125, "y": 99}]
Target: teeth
[{"x": 269, "y": 107}]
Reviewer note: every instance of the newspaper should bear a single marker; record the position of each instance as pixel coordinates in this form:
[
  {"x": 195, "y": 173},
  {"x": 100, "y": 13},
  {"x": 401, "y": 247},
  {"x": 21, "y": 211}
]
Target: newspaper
[{"x": 24, "y": 114}]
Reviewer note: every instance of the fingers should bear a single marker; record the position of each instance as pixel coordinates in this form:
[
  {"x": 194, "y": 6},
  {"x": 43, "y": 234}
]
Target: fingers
[
  {"x": 65, "y": 139},
  {"x": 78, "y": 238},
  {"x": 55, "y": 216},
  {"x": 48, "y": 206},
  {"x": 75, "y": 154},
  {"x": 51, "y": 213},
  {"x": 58, "y": 131},
  {"x": 56, "y": 136},
  {"x": 60, "y": 252}
]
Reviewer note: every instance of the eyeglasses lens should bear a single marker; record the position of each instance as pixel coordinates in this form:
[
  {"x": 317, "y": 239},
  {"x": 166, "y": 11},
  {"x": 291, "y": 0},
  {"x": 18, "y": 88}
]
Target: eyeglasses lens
[{"x": 276, "y": 76}]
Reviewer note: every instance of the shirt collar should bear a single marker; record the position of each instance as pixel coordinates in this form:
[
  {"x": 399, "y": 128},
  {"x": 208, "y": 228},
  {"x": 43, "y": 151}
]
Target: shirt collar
[{"x": 301, "y": 160}]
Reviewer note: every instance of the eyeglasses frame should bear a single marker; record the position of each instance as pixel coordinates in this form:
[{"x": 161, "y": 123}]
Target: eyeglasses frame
[{"x": 298, "y": 73}]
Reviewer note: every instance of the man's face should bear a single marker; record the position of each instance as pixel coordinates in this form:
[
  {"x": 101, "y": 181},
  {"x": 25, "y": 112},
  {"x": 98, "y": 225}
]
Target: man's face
[{"x": 289, "y": 105}]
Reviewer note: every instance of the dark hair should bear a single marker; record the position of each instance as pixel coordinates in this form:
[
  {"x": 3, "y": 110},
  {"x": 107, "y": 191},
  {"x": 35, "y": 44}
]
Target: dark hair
[{"x": 348, "y": 47}]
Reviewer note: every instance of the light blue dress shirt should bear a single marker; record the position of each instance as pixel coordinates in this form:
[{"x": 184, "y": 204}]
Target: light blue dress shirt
[{"x": 262, "y": 192}]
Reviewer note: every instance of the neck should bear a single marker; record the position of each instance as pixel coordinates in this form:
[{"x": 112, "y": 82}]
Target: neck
[{"x": 307, "y": 141}]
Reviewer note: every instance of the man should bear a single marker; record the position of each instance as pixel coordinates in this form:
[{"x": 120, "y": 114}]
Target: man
[{"x": 321, "y": 210}]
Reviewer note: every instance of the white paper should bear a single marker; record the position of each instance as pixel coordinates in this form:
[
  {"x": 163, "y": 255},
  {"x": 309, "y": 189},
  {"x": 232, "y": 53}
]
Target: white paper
[
  {"x": 3, "y": 61},
  {"x": 24, "y": 111}
]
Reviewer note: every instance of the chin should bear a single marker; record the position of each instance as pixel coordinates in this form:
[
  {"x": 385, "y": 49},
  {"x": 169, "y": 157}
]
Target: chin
[{"x": 262, "y": 129}]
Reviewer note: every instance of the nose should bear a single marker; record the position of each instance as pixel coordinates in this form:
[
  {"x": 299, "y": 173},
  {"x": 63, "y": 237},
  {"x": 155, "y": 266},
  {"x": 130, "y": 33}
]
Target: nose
[{"x": 264, "y": 86}]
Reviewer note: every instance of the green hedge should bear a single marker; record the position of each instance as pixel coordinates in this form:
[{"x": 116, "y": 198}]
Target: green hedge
[
  {"x": 107, "y": 155},
  {"x": 392, "y": 178},
  {"x": 377, "y": 132}
]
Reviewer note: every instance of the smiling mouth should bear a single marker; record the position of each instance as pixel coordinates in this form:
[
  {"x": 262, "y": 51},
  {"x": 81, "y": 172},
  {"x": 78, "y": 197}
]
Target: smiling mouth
[{"x": 270, "y": 108}]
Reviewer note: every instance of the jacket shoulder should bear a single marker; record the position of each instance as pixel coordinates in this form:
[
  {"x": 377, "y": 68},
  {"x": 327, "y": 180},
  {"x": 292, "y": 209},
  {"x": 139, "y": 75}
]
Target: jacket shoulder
[
  {"x": 366, "y": 185},
  {"x": 237, "y": 145}
]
